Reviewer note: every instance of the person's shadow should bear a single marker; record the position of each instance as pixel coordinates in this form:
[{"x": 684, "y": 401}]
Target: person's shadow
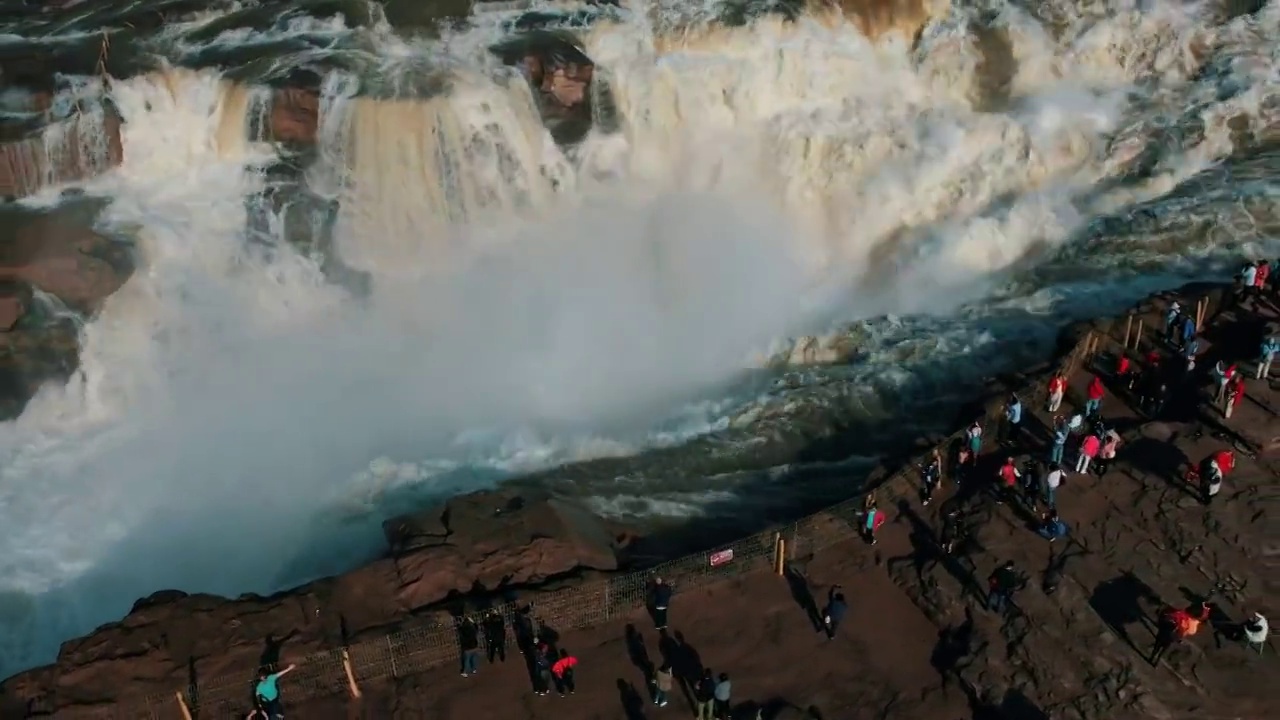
[
  {"x": 953, "y": 646},
  {"x": 803, "y": 596},
  {"x": 1119, "y": 603},
  {"x": 632, "y": 703},
  {"x": 271, "y": 649},
  {"x": 638, "y": 653}
]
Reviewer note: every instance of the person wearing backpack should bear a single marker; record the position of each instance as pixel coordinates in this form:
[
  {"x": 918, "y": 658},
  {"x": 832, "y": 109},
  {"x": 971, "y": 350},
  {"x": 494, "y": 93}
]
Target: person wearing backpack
[
  {"x": 267, "y": 692},
  {"x": 705, "y": 694}
]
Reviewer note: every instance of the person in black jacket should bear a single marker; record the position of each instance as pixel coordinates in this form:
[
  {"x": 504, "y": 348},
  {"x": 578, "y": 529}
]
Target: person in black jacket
[
  {"x": 469, "y": 644},
  {"x": 835, "y": 612},
  {"x": 495, "y": 636},
  {"x": 705, "y": 694},
  {"x": 661, "y": 601},
  {"x": 1002, "y": 583}
]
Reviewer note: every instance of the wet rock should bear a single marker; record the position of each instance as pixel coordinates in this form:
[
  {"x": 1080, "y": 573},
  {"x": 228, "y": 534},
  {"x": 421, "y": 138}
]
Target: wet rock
[
  {"x": 557, "y": 69},
  {"x": 295, "y": 115},
  {"x": 15, "y": 298},
  {"x": 65, "y": 258},
  {"x": 79, "y": 147},
  {"x": 475, "y": 543}
]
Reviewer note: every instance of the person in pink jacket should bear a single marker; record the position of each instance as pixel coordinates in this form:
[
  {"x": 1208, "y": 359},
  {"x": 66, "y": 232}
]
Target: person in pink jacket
[{"x": 1089, "y": 447}]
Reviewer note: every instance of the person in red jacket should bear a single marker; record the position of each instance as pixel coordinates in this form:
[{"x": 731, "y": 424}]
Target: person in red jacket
[
  {"x": 1008, "y": 476},
  {"x": 1057, "y": 388},
  {"x": 1089, "y": 448},
  {"x": 1235, "y": 394},
  {"x": 1260, "y": 278},
  {"x": 1094, "y": 393},
  {"x": 562, "y": 672}
]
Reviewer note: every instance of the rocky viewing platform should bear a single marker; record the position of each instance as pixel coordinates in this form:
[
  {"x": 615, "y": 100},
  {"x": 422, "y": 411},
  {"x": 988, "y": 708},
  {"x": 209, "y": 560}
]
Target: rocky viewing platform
[{"x": 917, "y": 641}]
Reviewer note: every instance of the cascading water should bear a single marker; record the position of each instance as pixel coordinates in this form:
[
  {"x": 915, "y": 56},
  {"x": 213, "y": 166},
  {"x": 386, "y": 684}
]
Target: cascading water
[{"x": 242, "y": 419}]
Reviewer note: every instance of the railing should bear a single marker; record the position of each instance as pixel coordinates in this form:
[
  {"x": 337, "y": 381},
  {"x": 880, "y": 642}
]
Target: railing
[{"x": 428, "y": 645}]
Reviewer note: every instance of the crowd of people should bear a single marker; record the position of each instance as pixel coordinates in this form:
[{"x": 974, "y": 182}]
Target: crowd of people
[{"x": 1082, "y": 442}]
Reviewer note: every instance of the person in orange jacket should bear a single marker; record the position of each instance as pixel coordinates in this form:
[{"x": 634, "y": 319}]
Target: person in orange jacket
[
  {"x": 1089, "y": 447},
  {"x": 1057, "y": 388},
  {"x": 1176, "y": 625},
  {"x": 1094, "y": 393},
  {"x": 562, "y": 672}
]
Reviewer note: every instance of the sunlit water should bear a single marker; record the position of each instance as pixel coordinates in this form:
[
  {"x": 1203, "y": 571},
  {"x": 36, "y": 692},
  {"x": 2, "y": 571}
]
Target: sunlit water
[{"x": 242, "y": 421}]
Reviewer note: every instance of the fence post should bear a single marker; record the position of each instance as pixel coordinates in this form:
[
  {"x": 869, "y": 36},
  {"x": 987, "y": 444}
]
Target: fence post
[
  {"x": 608, "y": 586},
  {"x": 779, "y": 552},
  {"x": 1202, "y": 307},
  {"x": 351, "y": 675},
  {"x": 1128, "y": 326},
  {"x": 391, "y": 653},
  {"x": 182, "y": 706}
]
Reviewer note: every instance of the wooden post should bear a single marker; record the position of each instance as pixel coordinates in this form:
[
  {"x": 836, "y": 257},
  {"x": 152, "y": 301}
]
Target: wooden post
[
  {"x": 779, "y": 553},
  {"x": 607, "y": 586},
  {"x": 351, "y": 676},
  {"x": 1137, "y": 337},
  {"x": 1128, "y": 326},
  {"x": 391, "y": 653},
  {"x": 1202, "y": 307},
  {"x": 182, "y": 706}
]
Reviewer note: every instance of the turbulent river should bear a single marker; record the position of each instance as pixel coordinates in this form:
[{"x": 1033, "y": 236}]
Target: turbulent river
[{"x": 440, "y": 296}]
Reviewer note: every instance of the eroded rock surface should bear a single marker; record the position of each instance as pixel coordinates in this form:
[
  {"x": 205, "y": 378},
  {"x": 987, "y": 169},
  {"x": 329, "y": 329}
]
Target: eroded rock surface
[{"x": 480, "y": 543}]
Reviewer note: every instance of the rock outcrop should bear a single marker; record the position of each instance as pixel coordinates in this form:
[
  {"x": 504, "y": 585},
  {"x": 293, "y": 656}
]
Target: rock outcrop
[
  {"x": 63, "y": 256},
  {"x": 487, "y": 542},
  {"x": 81, "y": 146}
]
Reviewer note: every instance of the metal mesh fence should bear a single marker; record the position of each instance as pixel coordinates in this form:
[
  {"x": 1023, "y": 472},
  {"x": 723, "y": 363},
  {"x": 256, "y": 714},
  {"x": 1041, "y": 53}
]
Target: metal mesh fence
[{"x": 431, "y": 641}]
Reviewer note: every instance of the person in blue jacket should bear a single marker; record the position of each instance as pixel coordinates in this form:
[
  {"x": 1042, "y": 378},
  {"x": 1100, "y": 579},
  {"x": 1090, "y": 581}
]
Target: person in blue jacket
[{"x": 1052, "y": 527}]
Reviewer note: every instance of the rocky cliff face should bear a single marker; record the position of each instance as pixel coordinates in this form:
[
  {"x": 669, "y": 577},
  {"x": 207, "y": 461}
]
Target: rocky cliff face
[{"x": 500, "y": 543}]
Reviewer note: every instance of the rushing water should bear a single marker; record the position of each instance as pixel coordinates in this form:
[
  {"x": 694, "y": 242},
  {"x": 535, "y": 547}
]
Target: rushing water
[{"x": 441, "y": 297}]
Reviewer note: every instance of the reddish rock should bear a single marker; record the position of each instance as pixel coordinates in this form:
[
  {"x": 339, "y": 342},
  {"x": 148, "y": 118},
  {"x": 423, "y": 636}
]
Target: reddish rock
[
  {"x": 90, "y": 145},
  {"x": 563, "y": 84},
  {"x": 475, "y": 543},
  {"x": 14, "y": 300},
  {"x": 295, "y": 115},
  {"x": 63, "y": 257}
]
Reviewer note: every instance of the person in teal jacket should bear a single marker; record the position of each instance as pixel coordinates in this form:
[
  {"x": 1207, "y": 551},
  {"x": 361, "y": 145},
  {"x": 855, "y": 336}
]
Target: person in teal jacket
[
  {"x": 1266, "y": 353},
  {"x": 267, "y": 692}
]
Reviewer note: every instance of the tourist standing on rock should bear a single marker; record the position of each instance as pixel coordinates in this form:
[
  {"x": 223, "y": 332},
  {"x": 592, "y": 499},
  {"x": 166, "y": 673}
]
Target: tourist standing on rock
[
  {"x": 964, "y": 463},
  {"x": 1171, "y": 322},
  {"x": 1256, "y": 629},
  {"x": 835, "y": 611},
  {"x": 1248, "y": 280},
  {"x": 930, "y": 476},
  {"x": 973, "y": 435},
  {"x": 874, "y": 518},
  {"x": 542, "y": 662},
  {"x": 562, "y": 672},
  {"x": 1001, "y": 585},
  {"x": 1223, "y": 371},
  {"x": 1060, "y": 434},
  {"x": 1007, "y": 476},
  {"x": 950, "y": 532},
  {"x": 1089, "y": 447},
  {"x": 662, "y": 681},
  {"x": 661, "y": 601},
  {"x": 1260, "y": 278},
  {"x": 1107, "y": 453},
  {"x": 267, "y": 692},
  {"x": 705, "y": 695},
  {"x": 1266, "y": 353},
  {"x": 1012, "y": 420},
  {"x": 469, "y": 643},
  {"x": 1235, "y": 395},
  {"x": 1094, "y": 393},
  {"x": 723, "y": 696},
  {"x": 495, "y": 636},
  {"x": 1189, "y": 330},
  {"x": 1057, "y": 389},
  {"x": 1051, "y": 482}
]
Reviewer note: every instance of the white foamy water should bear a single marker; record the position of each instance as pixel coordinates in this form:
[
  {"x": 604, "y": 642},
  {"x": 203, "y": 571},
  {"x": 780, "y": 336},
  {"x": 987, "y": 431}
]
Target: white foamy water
[{"x": 240, "y": 423}]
